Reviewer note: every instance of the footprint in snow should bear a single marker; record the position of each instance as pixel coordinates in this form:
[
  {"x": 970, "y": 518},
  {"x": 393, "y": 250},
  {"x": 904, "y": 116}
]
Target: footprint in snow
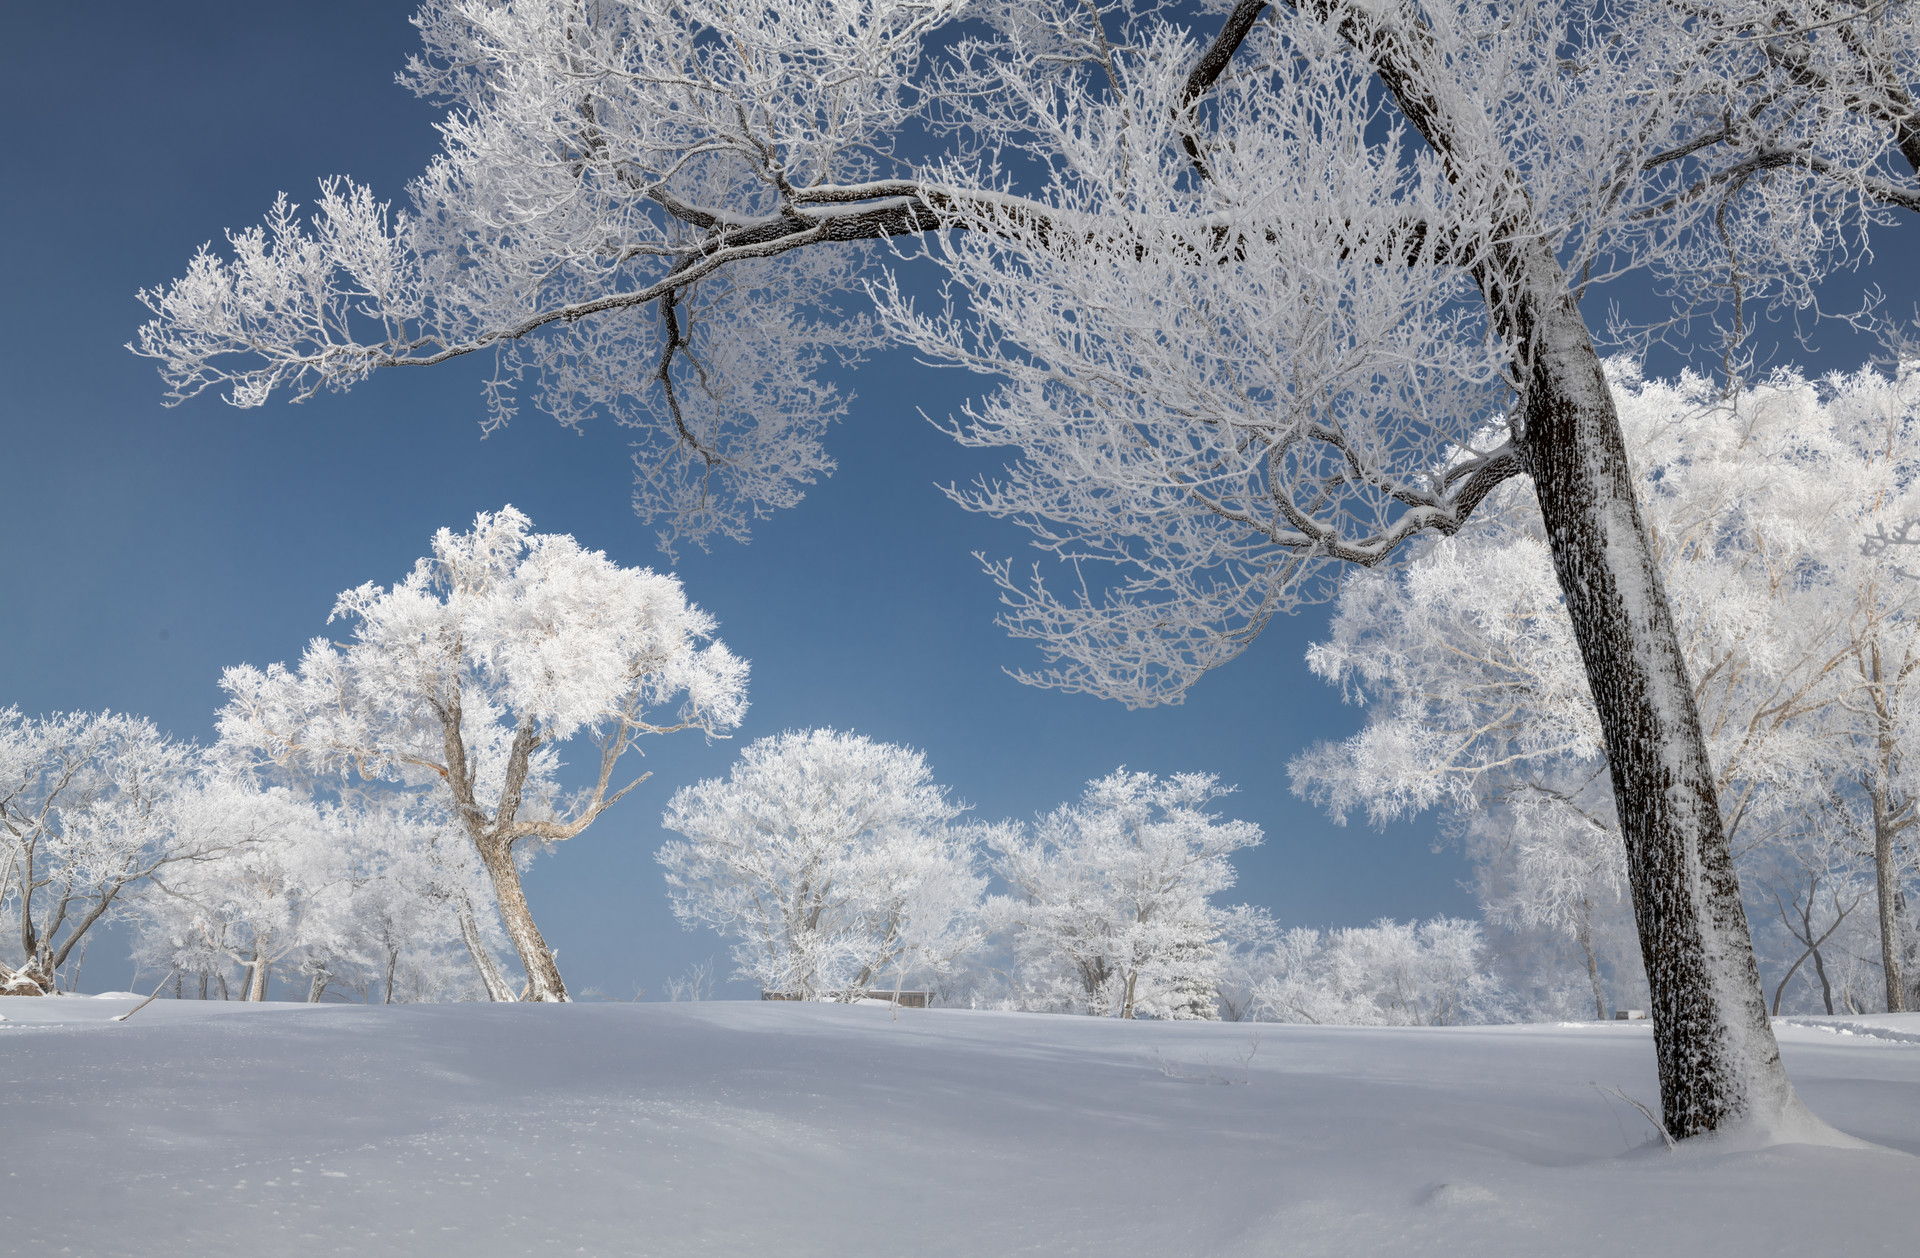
[{"x": 1447, "y": 1196}]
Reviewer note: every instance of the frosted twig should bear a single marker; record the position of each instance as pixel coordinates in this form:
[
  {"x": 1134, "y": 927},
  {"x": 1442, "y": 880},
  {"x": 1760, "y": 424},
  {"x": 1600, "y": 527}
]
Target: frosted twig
[{"x": 143, "y": 1004}]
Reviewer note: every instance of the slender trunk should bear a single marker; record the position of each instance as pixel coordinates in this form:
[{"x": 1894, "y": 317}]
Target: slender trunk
[
  {"x": 179, "y": 983},
  {"x": 1583, "y": 932},
  {"x": 203, "y": 987},
  {"x": 1717, "y": 1056},
  {"x": 543, "y": 976},
  {"x": 318, "y": 987},
  {"x": 1910, "y": 946},
  {"x": 1792, "y": 970},
  {"x": 497, "y": 989},
  {"x": 1886, "y": 878},
  {"x": 223, "y": 988},
  {"x": 1826, "y": 988},
  {"x": 393, "y": 960}
]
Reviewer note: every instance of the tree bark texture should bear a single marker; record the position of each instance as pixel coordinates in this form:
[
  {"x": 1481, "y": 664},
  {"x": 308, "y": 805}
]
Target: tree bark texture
[
  {"x": 1717, "y": 1056},
  {"x": 543, "y": 976},
  {"x": 497, "y": 989},
  {"x": 257, "y": 981},
  {"x": 1886, "y": 877}
]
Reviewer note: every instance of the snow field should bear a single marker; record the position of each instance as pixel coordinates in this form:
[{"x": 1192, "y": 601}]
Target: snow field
[{"x": 782, "y": 1129}]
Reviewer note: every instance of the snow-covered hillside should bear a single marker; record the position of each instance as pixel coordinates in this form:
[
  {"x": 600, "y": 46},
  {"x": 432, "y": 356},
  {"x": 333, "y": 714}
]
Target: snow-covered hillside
[{"x": 783, "y": 1129}]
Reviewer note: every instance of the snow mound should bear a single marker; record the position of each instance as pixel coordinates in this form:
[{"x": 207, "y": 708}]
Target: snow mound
[
  {"x": 1893, "y": 1028},
  {"x": 751, "y": 1128}
]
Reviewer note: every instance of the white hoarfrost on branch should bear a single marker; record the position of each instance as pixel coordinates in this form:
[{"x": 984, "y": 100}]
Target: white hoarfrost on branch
[
  {"x": 1802, "y": 653},
  {"x": 359, "y": 895},
  {"x": 1110, "y": 911},
  {"x": 832, "y": 860},
  {"x": 278, "y": 888},
  {"x": 88, "y": 814},
  {"x": 463, "y": 679},
  {"x": 1432, "y": 973},
  {"x": 1299, "y": 293}
]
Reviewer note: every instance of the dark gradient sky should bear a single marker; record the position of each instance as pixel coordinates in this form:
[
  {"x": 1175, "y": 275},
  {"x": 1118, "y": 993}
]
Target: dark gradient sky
[{"x": 146, "y": 549}]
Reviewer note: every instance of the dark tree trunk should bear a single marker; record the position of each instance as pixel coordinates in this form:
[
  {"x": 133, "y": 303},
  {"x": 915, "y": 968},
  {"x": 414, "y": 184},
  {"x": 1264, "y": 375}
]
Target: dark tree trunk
[{"x": 1717, "y": 1057}]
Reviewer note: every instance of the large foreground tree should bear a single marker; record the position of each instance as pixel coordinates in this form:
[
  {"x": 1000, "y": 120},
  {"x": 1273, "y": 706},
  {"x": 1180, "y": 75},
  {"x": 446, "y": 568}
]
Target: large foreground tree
[{"x": 1296, "y": 292}]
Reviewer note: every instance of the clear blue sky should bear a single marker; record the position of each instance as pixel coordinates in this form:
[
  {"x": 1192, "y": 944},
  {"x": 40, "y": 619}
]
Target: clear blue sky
[{"x": 146, "y": 549}]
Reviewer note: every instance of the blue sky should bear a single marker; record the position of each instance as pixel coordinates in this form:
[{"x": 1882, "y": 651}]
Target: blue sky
[{"x": 146, "y": 549}]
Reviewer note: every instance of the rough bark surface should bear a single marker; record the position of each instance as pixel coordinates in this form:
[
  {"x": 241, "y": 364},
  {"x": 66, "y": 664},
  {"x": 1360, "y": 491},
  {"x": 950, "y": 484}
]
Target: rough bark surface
[
  {"x": 1717, "y": 1057},
  {"x": 543, "y": 976}
]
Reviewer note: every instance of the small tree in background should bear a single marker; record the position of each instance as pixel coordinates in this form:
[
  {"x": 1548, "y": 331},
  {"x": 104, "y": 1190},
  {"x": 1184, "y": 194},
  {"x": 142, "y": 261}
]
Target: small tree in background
[
  {"x": 831, "y": 859},
  {"x": 86, "y": 818},
  {"x": 1433, "y": 973},
  {"x": 1110, "y": 910},
  {"x": 277, "y": 888},
  {"x": 464, "y": 677}
]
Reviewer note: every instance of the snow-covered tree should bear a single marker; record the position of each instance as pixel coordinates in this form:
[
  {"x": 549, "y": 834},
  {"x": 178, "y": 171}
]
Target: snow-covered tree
[
  {"x": 1756, "y": 504},
  {"x": 277, "y": 888},
  {"x": 1300, "y": 292},
  {"x": 361, "y": 894},
  {"x": 404, "y": 929},
  {"x": 1550, "y": 862},
  {"x": 1880, "y": 712},
  {"x": 86, "y": 818},
  {"x": 833, "y": 861},
  {"x": 464, "y": 677},
  {"x": 1433, "y": 973},
  {"x": 1111, "y": 911}
]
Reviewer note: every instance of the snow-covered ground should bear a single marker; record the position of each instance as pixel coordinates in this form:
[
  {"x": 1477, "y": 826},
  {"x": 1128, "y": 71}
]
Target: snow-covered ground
[{"x": 783, "y": 1129}]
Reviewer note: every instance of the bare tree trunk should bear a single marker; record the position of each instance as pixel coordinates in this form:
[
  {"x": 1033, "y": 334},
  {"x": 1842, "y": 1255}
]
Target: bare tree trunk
[
  {"x": 203, "y": 987},
  {"x": 318, "y": 987},
  {"x": 497, "y": 989},
  {"x": 1826, "y": 987},
  {"x": 393, "y": 961},
  {"x": 1792, "y": 970},
  {"x": 1717, "y": 1056},
  {"x": 543, "y": 976},
  {"x": 1886, "y": 877},
  {"x": 1910, "y": 947},
  {"x": 1583, "y": 932}
]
